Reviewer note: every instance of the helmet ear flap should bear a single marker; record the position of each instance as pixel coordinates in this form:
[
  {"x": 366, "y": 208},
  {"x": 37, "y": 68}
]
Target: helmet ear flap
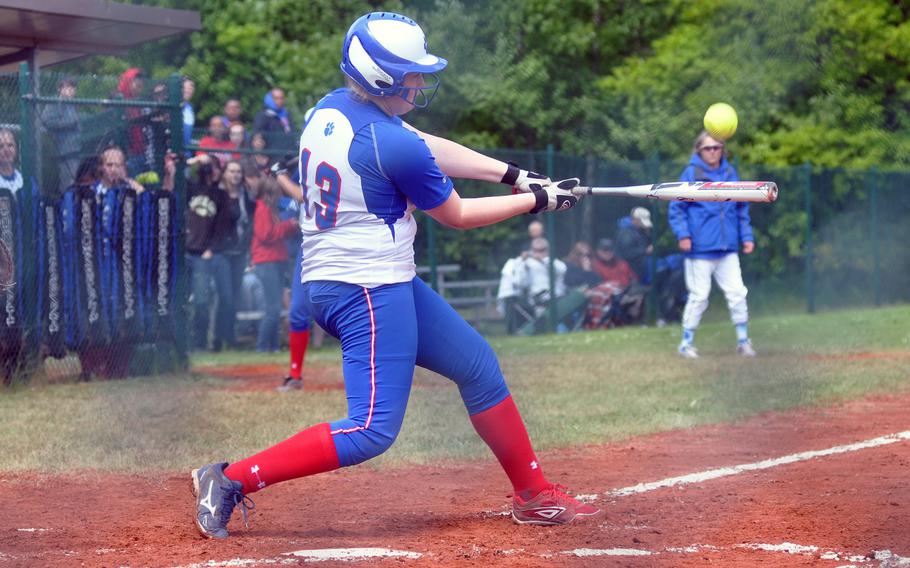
[{"x": 378, "y": 82}]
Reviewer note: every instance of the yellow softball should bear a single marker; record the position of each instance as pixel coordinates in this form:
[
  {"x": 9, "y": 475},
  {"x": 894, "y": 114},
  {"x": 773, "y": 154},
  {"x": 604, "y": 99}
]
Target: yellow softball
[{"x": 721, "y": 121}]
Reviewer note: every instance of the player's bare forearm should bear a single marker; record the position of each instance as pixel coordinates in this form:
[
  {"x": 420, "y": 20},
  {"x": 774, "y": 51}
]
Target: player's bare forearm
[
  {"x": 459, "y": 161},
  {"x": 461, "y": 213},
  {"x": 289, "y": 188}
]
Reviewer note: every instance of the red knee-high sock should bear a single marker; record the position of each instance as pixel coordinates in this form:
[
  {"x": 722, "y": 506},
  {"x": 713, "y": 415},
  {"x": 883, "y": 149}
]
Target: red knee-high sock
[
  {"x": 503, "y": 430},
  {"x": 299, "y": 341},
  {"x": 308, "y": 452}
]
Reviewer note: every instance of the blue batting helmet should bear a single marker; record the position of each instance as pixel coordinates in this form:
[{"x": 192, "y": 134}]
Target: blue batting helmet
[{"x": 381, "y": 48}]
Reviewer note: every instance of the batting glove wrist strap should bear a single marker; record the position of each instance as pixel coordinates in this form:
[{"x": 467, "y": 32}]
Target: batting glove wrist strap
[
  {"x": 542, "y": 200},
  {"x": 556, "y": 196},
  {"x": 523, "y": 181},
  {"x": 511, "y": 175}
]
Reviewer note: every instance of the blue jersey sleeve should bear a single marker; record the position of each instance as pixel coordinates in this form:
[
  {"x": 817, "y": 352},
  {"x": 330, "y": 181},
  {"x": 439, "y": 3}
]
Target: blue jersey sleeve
[{"x": 407, "y": 162}]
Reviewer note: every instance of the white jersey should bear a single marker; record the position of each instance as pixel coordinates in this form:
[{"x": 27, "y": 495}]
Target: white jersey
[
  {"x": 13, "y": 183},
  {"x": 363, "y": 173}
]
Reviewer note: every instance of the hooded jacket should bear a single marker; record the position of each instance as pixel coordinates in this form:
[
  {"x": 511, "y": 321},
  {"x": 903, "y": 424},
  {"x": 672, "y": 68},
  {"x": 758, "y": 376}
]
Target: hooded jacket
[
  {"x": 716, "y": 228},
  {"x": 273, "y": 119}
]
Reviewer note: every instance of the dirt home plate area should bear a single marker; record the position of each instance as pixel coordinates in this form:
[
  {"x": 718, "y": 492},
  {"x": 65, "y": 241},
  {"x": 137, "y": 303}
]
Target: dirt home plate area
[{"x": 816, "y": 487}]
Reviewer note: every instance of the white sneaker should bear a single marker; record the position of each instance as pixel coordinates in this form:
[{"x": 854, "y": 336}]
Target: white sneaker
[
  {"x": 687, "y": 351},
  {"x": 745, "y": 349}
]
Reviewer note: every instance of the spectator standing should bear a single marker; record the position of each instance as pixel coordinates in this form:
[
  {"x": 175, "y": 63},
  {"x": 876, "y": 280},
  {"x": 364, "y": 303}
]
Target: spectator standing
[
  {"x": 257, "y": 165},
  {"x": 111, "y": 361},
  {"x": 208, "y": 224},
  {"x": 238, "y": 240},
  {"x": 216, "y": 143},
  {"x": 269, "y": 256},
  {"x": 237, "y": 137},
  {"x": 633, "y": 241},
  {"x": 189, "y": 115},
  {"x": 10, "y": 176},
  {"x": 710, "y": 234},
  {"x": 233, "y": 112},
  {"x": 273, "y": 120},
  {"x": 139, "y": 150},
  {"x": 62, "y": 121},
  {"x": 112, "y": 172}
]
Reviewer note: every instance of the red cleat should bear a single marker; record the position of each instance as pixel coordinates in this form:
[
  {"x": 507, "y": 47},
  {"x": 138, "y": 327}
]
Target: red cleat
[{"x": 552, "y": 506}]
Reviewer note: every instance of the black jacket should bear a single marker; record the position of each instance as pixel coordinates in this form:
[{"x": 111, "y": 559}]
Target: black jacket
[
  {"x": 632, "y": 246},
  {"x": 209, "y": 220}
]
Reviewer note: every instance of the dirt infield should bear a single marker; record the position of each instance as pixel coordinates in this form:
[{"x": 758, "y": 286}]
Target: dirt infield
[{"x": 847, "y": 506}]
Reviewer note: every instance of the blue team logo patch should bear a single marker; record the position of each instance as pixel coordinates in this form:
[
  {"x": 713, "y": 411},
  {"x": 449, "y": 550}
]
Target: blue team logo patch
[{"x": 329, "y": 128}]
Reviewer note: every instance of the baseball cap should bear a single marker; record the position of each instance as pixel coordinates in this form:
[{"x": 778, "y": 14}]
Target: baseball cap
[
  {"x": 643, "y": 216},
  {"x": 605, "y": 244}
]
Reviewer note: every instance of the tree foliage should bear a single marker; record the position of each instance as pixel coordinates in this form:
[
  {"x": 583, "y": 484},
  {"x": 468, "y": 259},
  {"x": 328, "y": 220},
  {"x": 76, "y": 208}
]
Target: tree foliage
[{"x": 825, "y": 82}]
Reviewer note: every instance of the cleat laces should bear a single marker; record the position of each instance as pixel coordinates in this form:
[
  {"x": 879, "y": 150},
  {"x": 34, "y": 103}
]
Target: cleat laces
[{"x": 231, "y": 499}]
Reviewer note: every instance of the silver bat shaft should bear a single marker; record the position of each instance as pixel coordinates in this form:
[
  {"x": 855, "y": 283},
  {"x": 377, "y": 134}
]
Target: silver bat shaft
[{"x": 752, "y": 191}]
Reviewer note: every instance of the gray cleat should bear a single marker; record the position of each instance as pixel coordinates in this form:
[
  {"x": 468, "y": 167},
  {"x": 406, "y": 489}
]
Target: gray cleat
[{"x": 216, "y": 497}]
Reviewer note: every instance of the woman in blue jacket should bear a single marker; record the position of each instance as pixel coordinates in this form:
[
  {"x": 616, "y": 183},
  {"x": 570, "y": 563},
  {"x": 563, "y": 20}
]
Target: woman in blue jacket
[{"x": 710, "y": 234}]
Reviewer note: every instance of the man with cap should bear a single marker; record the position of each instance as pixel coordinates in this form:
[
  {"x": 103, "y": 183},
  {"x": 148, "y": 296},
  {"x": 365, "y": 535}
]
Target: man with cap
[
  {"x": 604, "y": 300},
  {"x": 633, "y": 241},
  {"x": 611, "y": 267}
]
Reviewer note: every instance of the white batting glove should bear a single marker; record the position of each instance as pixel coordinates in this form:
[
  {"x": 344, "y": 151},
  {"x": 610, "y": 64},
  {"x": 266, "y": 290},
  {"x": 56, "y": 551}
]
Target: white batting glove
[
  {"x": 523, "y": 181},
  {"x": 557, "y": 196}
]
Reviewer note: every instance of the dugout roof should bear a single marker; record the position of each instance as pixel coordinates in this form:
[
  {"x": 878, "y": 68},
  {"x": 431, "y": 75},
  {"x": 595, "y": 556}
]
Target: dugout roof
[{"x": 46, "y": 32}]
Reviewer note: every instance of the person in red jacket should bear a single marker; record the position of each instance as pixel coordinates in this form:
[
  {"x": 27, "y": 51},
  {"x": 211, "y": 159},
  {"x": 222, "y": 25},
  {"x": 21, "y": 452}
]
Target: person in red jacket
[
  {"x": 269, "y": 257},
  {"x": 617, "y": 276},
  {"x": 610, "y": 267}
]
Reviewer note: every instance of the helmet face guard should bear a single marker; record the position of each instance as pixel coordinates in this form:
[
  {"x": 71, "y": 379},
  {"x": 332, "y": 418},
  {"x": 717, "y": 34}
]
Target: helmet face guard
[
  {"x": 423, "y": 96},
  {"x": 381, "y": 48}
]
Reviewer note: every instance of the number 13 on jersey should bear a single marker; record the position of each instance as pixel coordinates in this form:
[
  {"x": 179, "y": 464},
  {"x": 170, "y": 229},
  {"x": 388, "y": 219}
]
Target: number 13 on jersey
[{"x": 329, "y": 182}]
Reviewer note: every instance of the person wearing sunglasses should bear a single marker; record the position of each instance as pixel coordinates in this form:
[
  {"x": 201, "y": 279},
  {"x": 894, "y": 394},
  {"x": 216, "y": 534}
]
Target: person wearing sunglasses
[{"x": 710, "y": 235}]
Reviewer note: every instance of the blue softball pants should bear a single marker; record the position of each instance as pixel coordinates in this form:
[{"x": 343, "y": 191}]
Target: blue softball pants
[
  {"x": 298, "y": 313},
  {"x": 384, "y": 332}
]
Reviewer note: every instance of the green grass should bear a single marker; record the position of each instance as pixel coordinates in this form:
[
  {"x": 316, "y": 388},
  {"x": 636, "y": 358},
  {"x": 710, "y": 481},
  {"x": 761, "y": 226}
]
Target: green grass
[{"x": 584, "y": 388}]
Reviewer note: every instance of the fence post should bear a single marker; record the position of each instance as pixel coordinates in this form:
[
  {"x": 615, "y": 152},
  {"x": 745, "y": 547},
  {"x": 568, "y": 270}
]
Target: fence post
[
  {"x": 551, "y": 238},
  {"x": 27, "y": 279},
  {"x": 873, "y": 221},
  {"x": 175, "y": 98},
  {"x": 810, "y": 284},
  {"x": 651, "y": 313}
]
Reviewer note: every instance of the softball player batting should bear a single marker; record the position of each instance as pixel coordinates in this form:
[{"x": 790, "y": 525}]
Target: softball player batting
[{"x": 364, "y": 171}]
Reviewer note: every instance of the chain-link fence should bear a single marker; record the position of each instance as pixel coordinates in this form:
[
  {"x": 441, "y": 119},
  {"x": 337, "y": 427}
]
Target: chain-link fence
[
  {"x": 102, "y": 287},
  {"x": 94, "y": 224}
]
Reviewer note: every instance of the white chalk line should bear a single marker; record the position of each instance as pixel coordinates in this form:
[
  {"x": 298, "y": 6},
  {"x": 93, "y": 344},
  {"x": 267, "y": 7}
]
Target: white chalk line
[
  {"x": 883, "y": 557},
  {"x": 316, "y": 555},
  {"x": 756, "y": 466}
]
